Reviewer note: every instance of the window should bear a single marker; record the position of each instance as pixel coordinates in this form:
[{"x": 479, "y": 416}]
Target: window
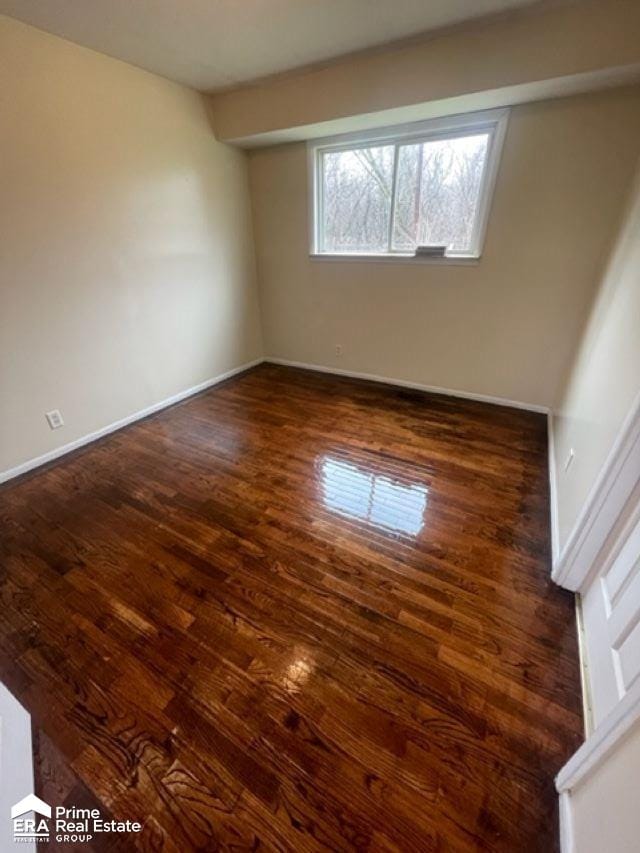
[{"x": 384, "y": 194}]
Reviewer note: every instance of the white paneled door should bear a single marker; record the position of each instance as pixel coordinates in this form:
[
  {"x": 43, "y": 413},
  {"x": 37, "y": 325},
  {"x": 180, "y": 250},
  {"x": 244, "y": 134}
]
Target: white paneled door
[{"x": 611, "y": 613}]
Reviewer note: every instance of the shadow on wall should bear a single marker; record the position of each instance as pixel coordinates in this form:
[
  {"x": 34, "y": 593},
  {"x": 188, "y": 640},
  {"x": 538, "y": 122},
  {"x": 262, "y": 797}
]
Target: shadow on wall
[{"x": 604, "y": 380}]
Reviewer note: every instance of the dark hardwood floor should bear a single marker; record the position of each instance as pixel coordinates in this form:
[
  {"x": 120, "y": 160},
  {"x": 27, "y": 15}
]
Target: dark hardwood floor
[{"x": 296, "y": 613}]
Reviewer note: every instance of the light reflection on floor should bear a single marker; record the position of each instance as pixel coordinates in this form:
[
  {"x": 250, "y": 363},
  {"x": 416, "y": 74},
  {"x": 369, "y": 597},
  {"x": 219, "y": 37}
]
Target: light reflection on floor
[
  {"x": 351, "y": 490},
  {"x": 298, "y": 673}
]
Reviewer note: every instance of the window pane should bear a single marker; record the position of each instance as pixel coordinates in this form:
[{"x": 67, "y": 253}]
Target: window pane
[
  {"x": 356, "y": 199},
  {"x": 438, "y": 187}
]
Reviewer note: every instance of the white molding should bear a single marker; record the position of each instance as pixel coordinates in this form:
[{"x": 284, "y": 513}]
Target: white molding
[
  {"x": 396, "y": 258},
  {"x": 617, "y": 479},
  {"x": 583, "y": 659},
  {"x": 57, "y": 452},
  {"x": 417, "y": 386},
  {"x": 553, "y": 491},
  {"x": 16, "y": 765},
  {"x": 567, "y": 842},
  {"x": 601, "y": 743},
  {"x": 493, "y": 122}
]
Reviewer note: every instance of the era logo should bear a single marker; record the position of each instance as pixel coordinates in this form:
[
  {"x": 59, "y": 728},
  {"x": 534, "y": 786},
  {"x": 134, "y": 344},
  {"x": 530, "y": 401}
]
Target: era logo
[{"x": 30, "y": 828}]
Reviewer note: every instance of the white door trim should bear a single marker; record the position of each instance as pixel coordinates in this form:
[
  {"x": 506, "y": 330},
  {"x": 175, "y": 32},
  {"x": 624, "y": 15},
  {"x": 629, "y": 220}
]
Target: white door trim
[
  {"x": 567, "y": 843},
  {"x": 553, "y": 491},
  {"x": 16, "y": 765},
  {"x": 601, "y": 743},
  {"x": 607, "y": 737}
]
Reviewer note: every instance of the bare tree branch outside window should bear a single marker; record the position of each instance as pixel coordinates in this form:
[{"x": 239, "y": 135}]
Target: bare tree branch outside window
[{"x": 434, "y": 199}]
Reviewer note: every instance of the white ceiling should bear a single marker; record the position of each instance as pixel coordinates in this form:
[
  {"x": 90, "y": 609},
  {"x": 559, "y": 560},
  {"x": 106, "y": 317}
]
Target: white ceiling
[{"x": 212, "y": 44}]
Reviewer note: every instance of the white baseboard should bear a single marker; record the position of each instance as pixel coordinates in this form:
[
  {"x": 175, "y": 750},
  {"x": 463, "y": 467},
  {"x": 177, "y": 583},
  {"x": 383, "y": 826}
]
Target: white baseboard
[
  {"x": 618, "y": 478},
  {"x": 553, "y": 492},
  {"x": 123, "y": 422},
  {"x": 57, "y": 452},
  {"x": 417, "y": 386}
]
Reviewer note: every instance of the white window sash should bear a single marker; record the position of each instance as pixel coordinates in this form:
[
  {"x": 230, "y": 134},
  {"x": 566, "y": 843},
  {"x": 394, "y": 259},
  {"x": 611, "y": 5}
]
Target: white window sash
[{"x": 491, "y": 122}]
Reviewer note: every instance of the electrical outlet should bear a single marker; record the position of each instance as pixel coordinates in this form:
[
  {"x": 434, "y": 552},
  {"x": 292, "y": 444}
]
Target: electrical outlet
[
  {"x": 338, "y": 350},
  {"x": 54, "y": 419},
  {"x": 569, "y": 459}
]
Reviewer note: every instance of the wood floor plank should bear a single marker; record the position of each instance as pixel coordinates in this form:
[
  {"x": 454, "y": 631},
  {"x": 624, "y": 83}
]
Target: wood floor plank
[{"x": 297, "y": 612}]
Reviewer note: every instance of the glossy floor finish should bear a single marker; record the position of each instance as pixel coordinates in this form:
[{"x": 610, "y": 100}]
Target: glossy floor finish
[{"x": 296, "y": 613}]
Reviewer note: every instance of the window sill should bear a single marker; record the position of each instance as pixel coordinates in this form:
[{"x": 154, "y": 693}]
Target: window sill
[{"x": 451, "y": 260}]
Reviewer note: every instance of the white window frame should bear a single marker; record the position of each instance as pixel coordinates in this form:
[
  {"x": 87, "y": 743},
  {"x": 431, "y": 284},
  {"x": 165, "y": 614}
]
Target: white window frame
[{"x": 493, "y": 122}]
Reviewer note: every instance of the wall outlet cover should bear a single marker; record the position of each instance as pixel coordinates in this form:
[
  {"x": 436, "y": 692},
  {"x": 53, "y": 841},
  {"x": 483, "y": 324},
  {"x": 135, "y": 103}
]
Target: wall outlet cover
[{"x": 54, "y": 419}]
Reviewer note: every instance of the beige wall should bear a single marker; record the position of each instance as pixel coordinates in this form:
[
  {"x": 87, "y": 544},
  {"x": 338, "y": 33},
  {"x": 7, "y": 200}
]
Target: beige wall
[
  {"x": 605, "y": 377},
  {"x": 543, "y": 43},
  {"x": 507, "y": 327},
  {"x": 604, "y": 808},
  {"x": 127, "y": 266}
]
